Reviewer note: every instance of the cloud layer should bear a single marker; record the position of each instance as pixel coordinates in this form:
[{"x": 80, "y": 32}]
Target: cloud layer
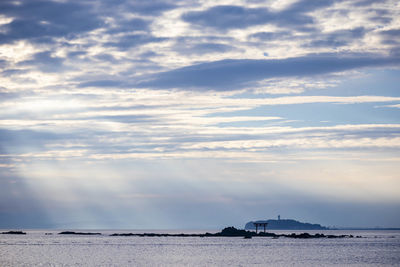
[
  {"x": 237, "y": 74},
  {"x": 164, "y": 101}
]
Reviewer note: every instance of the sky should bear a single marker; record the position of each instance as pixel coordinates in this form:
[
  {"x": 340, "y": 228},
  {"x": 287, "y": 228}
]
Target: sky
[{"x": 161, "y": 114}]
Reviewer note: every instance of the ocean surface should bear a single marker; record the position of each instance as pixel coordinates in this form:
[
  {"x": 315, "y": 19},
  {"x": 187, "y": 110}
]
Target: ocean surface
[{"x": 375, "y": 248}]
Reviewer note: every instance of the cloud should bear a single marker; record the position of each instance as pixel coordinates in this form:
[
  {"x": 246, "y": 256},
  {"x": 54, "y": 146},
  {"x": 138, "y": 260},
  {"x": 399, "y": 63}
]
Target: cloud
[
  {"x": 100, "y": 83},
  {"x": 42, "y": 19},
  {"x": 203, "y": 48},
  {"x": 3, "y": 63},
  {"x": 226, "y": 17},
  {"x": 313, "y": 39},
  {"x": 45, "y": 62},
  {"x": 368, "y": 2},
  {"x": 337, "y": 38},
  {"x": 132, "y": 40},
  {"x": 133, "y": 89},
  {"x": 269, "y": 36},
  {"x": 135, "y": 24},
  {"x": 4, "y": 96},
  {"x": 19, "y": 140},
  {"x": 147, "y": 8},
  {"x": 237, "y": 74},
  {"x": 12, "y": 72},
  {"x": 391, "y": 37}
]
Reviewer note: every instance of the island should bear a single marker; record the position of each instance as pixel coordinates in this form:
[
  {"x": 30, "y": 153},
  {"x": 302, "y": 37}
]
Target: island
[
  {"x": 285, "y": 224},
  {"x": 13, "y": 233}
]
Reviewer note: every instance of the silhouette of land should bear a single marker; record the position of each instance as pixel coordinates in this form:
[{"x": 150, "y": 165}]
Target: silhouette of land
[
  {"x": 77, "y": 233},
  {"x": 13, "y": 233},
  {"x": 226, "y": 232},
  {"x": 233, "y": 232},
  {"x": 285, "y": 224}
]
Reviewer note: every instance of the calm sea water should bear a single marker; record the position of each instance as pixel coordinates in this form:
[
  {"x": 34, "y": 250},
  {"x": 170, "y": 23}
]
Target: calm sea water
[{"x": 376, "y": 248}]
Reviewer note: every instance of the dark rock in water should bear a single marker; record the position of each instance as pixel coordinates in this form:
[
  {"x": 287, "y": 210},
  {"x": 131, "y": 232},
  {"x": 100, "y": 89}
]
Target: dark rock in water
[
  {"x": 303, "y": 235},
  {"x": 285, "y": 225},
  {"x": 14, "y": 233},
  {"x": 77, "y": 233},
  {"x": 233, "y": 232},
  {"x": 306, "y": 235},
  {"x": 123, "y": 234}
]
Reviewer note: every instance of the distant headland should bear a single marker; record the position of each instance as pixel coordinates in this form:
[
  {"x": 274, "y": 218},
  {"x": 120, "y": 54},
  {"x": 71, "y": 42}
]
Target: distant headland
[{"x": 285, "y": 224}]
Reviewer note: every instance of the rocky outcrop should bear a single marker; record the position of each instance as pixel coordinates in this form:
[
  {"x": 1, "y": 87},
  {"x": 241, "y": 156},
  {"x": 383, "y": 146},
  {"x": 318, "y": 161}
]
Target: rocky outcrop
[
  {"x": 77, "y": 233},
  {"x": 13, "y": 233},
  {"x": 233, "y": 232}
]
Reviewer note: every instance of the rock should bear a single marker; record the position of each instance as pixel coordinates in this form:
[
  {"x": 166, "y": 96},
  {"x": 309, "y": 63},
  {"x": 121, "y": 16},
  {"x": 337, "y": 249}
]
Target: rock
[
  {"x": 123, "y": 234},
  {"x": 233, "y": 232},
  {"x": 14, "y": 233},
  {"x": 77, "y": 233}
]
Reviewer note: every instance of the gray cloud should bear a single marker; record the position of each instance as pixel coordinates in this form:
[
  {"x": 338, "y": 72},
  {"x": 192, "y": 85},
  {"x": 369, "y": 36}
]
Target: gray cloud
[
  {"x": 337, "y": 38},
  {"x": 3, "y": 63},
  {"x": 148, "y": 8},
  {"x": 203, "y": 48},
  {"x": 236, "y": 74},
  {"x": 211, "y": 48},
  {"x": 133, "y": 40},
  {"x": 74, "y": 54},
  {"x": 233, "y": 17},
  {"x": 11, "y": 72},
  {"x": 367, "y": 2},
  {"x": 126, "y": 133},
  {"x": 40, "y": 19},
  {"x": 4, "y": 96},
  {"x": 228, "y": 17},
  {"x": 101, "y": 83},
  {"x": 28, "y": 141},
  {"x": 106, "y": 57},
  {"x": 134, "y": 24},
  {"x": 314, "y": 38},
  {"x": 270, "y": 36},
  {"x": 382, "y": 16},
  {"x": 391, "y": 37},
  {"x": 45, "y": 62}
]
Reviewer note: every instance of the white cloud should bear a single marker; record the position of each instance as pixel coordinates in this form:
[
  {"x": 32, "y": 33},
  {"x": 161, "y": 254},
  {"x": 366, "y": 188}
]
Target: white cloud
[{"x": 73, "y": 122}]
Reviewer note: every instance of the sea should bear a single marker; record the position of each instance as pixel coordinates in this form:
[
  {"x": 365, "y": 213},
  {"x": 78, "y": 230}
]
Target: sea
[{"x": 48, "y": 248}]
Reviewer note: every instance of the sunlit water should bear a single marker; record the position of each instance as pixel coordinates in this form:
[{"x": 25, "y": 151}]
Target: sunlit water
[{"x": 376, "y": 248}]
